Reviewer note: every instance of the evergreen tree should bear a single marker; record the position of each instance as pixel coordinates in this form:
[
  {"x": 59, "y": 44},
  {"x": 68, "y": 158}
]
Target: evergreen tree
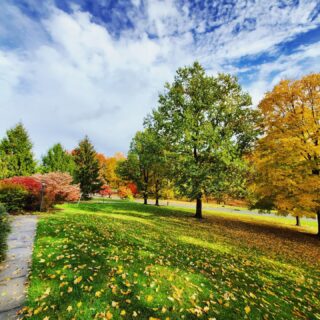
[
  {"x": 16, "y": 149},
  {"x": 87, "y": 168},
  {"x": 3, "y": 165},
  {"x": 58, "y": 159}
]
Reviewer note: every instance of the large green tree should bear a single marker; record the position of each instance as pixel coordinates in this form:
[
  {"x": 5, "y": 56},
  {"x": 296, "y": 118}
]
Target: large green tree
[
  {"x": 208, "y": 125},
  {"x": 58, "y": 159},
  {"x": 16, "y": 152},
  {"x": 87, "y": 168}
]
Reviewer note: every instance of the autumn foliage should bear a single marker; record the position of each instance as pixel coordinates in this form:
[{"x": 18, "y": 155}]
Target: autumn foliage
[
  {"x": 25, "y": 193},
  {"x": 58, "y": 188},
  {"x": 287, "y": 158},
  {"x": 124, "y": 192},
  {"x": 133, "y": 188},
  {"x": 105, "y": 191}
]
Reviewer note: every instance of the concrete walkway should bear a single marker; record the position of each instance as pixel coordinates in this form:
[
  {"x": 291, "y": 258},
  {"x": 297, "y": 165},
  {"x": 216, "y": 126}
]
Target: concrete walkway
[{"x": 14, "y": 270}]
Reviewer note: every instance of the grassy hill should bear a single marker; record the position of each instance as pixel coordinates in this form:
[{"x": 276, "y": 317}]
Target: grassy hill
[{"x": 124, "y": 260}]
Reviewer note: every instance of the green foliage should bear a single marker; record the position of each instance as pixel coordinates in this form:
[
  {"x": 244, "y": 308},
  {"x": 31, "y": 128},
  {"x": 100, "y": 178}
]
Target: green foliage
[
  {"x": 100, "y": 259},
  {"x": 58, "y": 159},
  {"x": 4, "y": 172},
  {"x": 145, "y": 164},
  {"x": 87, "y": 168},
  {"x": 4, "y": 230},
  {"x": 16, "y": 153},
  {"x": 208, "y": 126},
  {"x": 13, "y": 196}
]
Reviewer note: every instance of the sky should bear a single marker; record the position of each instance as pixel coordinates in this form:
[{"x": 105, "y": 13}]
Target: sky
[{"x": 70, "y": 68}]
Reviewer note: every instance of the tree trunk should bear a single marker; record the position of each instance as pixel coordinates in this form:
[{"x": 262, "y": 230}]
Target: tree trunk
[
  {"x": 199, "y": 208},
  {"x": 318, "y": 218},
  {"x": 298, "y": 223},
  {"x": 157, "y": 192},
  {"x": 145, "y": 198},
  {"x": 146, "y": 181}
]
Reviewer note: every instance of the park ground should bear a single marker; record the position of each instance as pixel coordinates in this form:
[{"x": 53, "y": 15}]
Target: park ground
[{"x": 125, "y": 260}]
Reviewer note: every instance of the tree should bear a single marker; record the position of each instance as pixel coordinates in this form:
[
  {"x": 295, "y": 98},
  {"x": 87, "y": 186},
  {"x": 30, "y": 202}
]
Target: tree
[
  {"x": 144, "y": 159},
  {"x": 58, "y": 159},
  {"x": 4, "y": 172},
  {"x": 16, "y": 149},
  {"x": 87, "y": 168},
  {"x": 208, "y": 126},
  {"x": 108, "y": 167},
  {"x": 287, "y": 157}
]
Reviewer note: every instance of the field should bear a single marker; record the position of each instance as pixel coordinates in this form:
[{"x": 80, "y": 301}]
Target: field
[{"x": 124, "y": 260}]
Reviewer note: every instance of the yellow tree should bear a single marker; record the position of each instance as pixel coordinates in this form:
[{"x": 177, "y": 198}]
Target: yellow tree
[
  {"x": 287, "y": 157},
  {"x": 108, "y": 167}
]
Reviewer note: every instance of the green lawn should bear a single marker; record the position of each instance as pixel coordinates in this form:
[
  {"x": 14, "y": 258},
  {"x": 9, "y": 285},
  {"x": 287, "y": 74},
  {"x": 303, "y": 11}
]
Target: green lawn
[{"x": 122, "y": 260}]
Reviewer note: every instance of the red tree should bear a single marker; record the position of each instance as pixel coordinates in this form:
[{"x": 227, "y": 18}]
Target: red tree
[
  {"x": 105, "y": 191},
  {"x": 133, "y": 187}
]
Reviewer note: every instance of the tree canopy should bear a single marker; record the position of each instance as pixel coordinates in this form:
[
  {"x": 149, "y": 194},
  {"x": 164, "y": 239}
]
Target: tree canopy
[
  {"x": 58, "y": 159},
  {"x": 208, "y": 126},
  {"x": 87, "y": 168},
  {"x": 16, "y": 152},
  {"x": 287, "y": 157}
]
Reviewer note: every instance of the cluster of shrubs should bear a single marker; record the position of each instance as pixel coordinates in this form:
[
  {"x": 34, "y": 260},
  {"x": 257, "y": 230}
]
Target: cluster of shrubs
[
  {"x": 40, "y": 191},
  {"x": 128, "y": 191},
  {"x": 4, "y": 230}
]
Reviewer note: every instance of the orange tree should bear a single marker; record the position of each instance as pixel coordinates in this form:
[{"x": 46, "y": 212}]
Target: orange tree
[{"x": 287, "y": 157}]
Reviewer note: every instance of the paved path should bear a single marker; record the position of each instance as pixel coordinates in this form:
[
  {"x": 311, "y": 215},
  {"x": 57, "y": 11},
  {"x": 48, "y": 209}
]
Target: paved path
[{"x": 14, "y": 270}]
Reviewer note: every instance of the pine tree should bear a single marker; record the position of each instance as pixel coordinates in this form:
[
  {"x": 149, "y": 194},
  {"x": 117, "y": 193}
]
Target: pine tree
[
  {"x": 16, "y": 148},
  {"x": 87, "y": 168},
  {"x": 58, "y": 159}
]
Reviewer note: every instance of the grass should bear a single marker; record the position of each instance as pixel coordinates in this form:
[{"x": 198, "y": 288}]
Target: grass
[
  {"x": 4, "y": 231},
  {"x": 124, "y": 260}
]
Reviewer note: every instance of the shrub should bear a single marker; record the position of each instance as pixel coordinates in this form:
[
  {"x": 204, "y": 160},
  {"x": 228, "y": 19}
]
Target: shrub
[
  {"x": 13, "y": 196},
  {"x": 58, "y": 188},
  {"x": 125, "y": 193},
  {"x": 4, "y": 230},
  {"x": 133, "y": 187},
  {"x": 33, "y": 187},
  {"x": 105, "y": 191}
]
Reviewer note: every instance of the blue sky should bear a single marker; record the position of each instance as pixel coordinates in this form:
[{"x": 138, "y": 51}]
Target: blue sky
[{"x": 75, "y": 67}]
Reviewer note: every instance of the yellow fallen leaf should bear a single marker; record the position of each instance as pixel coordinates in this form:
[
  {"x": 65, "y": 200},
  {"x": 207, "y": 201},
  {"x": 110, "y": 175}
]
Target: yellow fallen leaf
[
  {"x": 36, "y": 311},
  {"x": 98, "y": 294},
  {"x": 77, "y": 280},
  {"x": 123, "y": 312},
  {"x": 70, "y": 289},
  {"x": 69, "y": 309},
  {"x": 149, "y": 298},
  {"x": 109, "y": 315},
  {"x": 79, "y": 304},
  {"x": 247, "y": 309}
]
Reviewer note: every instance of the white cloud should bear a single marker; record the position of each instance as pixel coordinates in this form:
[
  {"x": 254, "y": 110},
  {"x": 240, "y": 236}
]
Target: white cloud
[{"x": 74, "y": 78}]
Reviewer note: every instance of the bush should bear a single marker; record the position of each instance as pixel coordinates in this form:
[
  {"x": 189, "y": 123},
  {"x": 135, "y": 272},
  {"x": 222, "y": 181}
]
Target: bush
[
  {"x": 33, "y": 187},
  {"x": 13, "y": 196},
  {"x": 125, "y": 193},
  {"x": 133, "y": 187},
  {"x": 58, "y": 188},
  {"x": 4, "y": 230},
  {"x": 105, "y": 191}
]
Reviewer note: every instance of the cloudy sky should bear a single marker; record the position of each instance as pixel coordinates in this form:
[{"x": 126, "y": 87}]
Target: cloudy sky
[{"x": 75, "y": 67}]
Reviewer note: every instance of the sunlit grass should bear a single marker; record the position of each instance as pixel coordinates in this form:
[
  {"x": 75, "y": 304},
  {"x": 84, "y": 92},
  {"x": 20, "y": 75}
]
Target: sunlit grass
[{"x": 124, "y": 260}]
